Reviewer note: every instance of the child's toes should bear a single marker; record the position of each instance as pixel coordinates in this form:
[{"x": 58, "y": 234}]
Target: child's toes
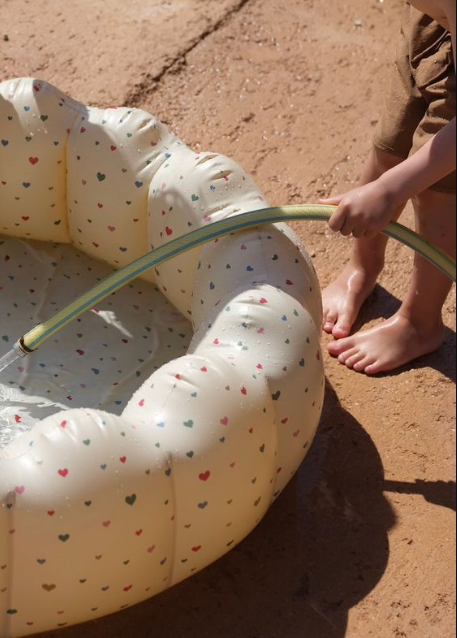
[
  {"x": 329, "y": 322},
  {"x": 343, "y": 327},
  {"x": 346, "y": 355},
  {"x": 352, "y": 361},
  {"x": 341, "y": 346},
  {"x": 362, "y": 364},
  {"x": 374, "y": 368}
]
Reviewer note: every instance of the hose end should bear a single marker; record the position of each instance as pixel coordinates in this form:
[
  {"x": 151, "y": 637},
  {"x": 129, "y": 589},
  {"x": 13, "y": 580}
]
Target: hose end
[{"x": 21, "y": 349}]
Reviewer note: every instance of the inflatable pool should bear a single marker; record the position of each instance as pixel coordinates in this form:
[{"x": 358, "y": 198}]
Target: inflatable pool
[{"x": 152, "y": 441}]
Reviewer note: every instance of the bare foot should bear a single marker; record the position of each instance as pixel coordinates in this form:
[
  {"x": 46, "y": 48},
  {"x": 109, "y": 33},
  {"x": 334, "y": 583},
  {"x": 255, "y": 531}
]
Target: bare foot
[
  {"x": 344, "y": 298},
  {"x": 391, "y": 345}
]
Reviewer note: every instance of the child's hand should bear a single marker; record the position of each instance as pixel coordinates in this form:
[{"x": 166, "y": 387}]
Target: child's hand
[{"x": 363, "y": 212}]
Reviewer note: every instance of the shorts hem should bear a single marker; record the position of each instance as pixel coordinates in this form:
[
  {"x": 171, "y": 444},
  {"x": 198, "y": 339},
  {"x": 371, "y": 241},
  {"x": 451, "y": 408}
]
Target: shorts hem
[{"x": 380, "y": 146}]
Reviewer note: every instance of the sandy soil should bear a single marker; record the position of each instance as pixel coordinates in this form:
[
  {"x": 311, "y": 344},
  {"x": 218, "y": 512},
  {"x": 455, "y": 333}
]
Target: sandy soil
[{"x": 363, "y": 542}]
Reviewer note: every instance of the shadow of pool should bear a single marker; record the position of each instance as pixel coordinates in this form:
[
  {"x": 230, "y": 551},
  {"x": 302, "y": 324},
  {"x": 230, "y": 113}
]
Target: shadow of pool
[{"x": 322, "y": 548}]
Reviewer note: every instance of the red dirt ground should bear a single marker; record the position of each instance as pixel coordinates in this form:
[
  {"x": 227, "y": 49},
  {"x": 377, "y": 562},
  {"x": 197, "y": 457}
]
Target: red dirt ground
[{"x": 363, "y": 542}]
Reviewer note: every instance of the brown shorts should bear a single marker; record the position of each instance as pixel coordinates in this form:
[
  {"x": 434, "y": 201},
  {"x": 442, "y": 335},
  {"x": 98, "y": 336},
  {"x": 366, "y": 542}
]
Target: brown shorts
[{"x": 422, "y": 96}]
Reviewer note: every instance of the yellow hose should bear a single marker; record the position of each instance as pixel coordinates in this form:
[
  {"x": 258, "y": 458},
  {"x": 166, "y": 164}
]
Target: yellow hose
[{"x": 36, "y": 337}]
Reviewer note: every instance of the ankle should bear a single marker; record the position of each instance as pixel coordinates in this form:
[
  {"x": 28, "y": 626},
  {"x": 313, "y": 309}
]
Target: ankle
[
  {"x": 424, "y": 323},
  {"x": 369, "y": 255},
  {"x": 370, "y": 263}
]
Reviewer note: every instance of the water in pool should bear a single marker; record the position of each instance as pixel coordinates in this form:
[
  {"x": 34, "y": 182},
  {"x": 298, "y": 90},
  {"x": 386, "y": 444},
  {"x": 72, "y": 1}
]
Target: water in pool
[{"x": 96, "y": 362}]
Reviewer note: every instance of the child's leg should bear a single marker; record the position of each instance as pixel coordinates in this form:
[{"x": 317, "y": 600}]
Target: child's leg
[
  {"x": 417, "y": 328},
  {"x": 344, "y": 298}
]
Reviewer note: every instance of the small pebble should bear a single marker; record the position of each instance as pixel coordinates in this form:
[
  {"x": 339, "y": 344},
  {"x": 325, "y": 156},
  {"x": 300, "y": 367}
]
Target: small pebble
[
  {"x": 358, "y": 23},
  {"x": 6, "y": 38}
]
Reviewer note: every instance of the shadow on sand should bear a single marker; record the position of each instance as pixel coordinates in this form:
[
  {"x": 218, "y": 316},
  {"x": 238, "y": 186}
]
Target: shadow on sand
[{"x": 322, "y": 549}]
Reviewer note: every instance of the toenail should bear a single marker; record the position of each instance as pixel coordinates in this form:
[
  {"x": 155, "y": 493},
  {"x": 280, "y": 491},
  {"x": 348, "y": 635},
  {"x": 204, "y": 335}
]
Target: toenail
[{"x": 342, "y": 330}]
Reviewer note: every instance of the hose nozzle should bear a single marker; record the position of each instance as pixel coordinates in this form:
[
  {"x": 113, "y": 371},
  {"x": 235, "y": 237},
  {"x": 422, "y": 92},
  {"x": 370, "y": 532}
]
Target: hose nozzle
[{"x": 17, "y": 352}]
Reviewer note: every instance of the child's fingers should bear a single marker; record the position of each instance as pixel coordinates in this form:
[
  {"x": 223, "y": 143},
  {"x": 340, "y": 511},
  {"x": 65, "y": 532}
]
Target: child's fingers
[
  {"x": 358, "y": 232},
  {"x": 337, "y": 221},
  {"x": 348, "y": 227},
  {"x": 331, "y": 201}
]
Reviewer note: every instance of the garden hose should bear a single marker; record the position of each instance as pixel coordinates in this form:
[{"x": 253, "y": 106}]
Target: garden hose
[{"x": 38, "y": 335}]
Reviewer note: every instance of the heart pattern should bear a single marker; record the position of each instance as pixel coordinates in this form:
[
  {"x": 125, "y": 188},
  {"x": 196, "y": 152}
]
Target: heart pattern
[{"x": 177, "y": 472}]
